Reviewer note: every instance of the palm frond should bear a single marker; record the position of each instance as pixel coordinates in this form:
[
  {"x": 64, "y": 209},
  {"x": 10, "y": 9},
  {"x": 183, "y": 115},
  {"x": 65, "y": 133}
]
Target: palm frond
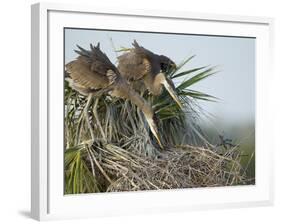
[
  {"x": 78, "y": 177},
  {"x": 179, "y": 66},
  {"x": 187, "y": 72},
  {"x": 198, "y": 95},
  {"x": 122, "y": 49},
  {"x": 198, "y": 77}
]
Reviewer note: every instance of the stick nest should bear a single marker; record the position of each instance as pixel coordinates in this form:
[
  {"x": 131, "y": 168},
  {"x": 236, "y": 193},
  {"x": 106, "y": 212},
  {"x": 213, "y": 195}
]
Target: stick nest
[{"x": 183, "y": 166}]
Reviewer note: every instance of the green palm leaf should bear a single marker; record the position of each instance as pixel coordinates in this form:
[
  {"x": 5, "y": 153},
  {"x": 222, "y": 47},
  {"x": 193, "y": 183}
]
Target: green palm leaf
[
  {"x": 198, "y": 95},
  {"x": 202, "y": 75},
  {"x": 179, "y": 66},
  {"x": 187, "y": 72},
  {"x": 78, "y": 177}
]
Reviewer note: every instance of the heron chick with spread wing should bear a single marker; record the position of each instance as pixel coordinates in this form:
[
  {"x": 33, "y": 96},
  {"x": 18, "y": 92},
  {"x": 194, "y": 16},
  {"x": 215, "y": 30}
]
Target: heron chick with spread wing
[
  {"x": 93, "y": 74},
  {"x": 140, "y": 64}
]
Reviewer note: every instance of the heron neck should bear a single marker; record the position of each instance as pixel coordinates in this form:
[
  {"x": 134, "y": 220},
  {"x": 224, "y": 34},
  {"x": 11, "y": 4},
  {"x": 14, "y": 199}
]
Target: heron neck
[
  {"x": 154, "y": 84},
  {"x": 140, "y": 102}
]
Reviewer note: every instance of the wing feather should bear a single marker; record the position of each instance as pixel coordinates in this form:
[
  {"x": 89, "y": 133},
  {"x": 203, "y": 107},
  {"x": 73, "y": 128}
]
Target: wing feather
[
  {"x": 138, "y": 62},
  {"x": 90, "y": 68},
  {"x": 81, "y": 74},
  {"x": 133, "y": 66}
]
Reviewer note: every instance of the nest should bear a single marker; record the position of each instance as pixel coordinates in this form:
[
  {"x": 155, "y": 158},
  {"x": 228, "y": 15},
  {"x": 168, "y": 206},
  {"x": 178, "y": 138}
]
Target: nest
[{"x": 183, "y": 166}]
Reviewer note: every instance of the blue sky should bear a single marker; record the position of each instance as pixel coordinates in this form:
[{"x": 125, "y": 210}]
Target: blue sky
[{"x": 234, "y": 85}]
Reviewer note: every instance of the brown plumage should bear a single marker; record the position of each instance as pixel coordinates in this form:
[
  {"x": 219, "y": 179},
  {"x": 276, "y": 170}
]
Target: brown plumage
[
  {"x": 142, "y": 65},
  {"x": 93, "y": 74}
]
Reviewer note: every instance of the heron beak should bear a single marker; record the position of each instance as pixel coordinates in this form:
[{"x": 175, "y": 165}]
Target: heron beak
[
  {"x": 172, "y": 92},
  {"x": 154, "y": 130}
]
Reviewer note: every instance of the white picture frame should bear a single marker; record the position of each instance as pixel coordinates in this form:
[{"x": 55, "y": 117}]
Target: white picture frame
[{"x": 47, "y": 199}]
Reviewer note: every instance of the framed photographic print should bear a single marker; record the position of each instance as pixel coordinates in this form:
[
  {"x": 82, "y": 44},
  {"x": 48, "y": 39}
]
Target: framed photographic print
[{"x": 148, "y": 111}]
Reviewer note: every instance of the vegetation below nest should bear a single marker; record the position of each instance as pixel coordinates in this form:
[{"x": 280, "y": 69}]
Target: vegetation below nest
[{"x": 124, "y": 156}]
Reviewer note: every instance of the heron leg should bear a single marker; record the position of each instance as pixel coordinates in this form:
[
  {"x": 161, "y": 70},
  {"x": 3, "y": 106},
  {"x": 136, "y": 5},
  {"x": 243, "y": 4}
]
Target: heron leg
[
  {"x": 95, "y": 111},
  {"x": 86, "y": 112}
]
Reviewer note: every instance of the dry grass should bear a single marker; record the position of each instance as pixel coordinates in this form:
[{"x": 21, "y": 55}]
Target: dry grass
[
  {"x": 180, "y": 167},
  {"x": 184, "y": 166}
]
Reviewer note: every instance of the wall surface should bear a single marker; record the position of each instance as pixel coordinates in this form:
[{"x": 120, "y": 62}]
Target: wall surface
[{"x": 15, "y": 111}]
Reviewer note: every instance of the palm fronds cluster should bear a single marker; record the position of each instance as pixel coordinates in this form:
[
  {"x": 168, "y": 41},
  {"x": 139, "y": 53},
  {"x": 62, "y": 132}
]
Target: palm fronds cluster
[{"x": 123, "y": 156}]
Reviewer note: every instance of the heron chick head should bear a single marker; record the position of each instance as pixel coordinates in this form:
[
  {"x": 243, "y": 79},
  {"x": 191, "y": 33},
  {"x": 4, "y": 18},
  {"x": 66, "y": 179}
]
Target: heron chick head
[{"x": 166, "y": 64}]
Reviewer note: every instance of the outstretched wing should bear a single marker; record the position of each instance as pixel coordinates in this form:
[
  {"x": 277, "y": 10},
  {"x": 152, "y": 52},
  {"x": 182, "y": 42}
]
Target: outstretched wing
[
  {"x": 136, "y": 63},
  {"x": 142, "y": 51},
  {"x": 132, "y": 66},
  {"x": 91, "y": 69}
]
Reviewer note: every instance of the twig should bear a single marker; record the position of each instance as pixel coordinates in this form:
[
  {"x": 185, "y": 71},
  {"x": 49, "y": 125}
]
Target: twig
[{"x": 99, "y": 166}]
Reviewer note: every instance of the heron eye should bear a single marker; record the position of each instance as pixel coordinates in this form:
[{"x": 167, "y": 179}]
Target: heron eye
[{"x": 164, "y": 67}]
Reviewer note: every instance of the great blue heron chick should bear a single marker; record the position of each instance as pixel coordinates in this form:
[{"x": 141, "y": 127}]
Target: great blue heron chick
[
  {"x": 92, "y": 73},
  {"x": 140, "y": 64}
]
